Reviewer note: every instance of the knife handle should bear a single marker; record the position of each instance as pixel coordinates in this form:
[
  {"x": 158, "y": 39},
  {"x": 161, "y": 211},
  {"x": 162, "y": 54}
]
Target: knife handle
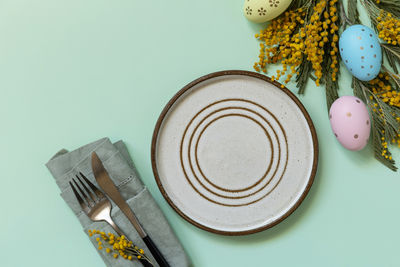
[{"x": 156, "y": 253}]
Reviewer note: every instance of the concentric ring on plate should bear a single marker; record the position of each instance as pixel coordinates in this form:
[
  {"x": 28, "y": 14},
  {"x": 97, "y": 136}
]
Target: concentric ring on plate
[
  {"x": 194, "y": 135},
  {"x": 239, "y": 196}
]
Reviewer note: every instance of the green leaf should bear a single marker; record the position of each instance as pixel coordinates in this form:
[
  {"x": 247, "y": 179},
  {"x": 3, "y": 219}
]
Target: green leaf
[
  {"x": 392, "y": 54},
  {"x": 384, "y": 125},
  {"x": 352, "y": 12}
]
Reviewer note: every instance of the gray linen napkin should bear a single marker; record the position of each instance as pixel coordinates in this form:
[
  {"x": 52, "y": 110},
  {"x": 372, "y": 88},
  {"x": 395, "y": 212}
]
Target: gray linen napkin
[{"x": 115, "y": 157}]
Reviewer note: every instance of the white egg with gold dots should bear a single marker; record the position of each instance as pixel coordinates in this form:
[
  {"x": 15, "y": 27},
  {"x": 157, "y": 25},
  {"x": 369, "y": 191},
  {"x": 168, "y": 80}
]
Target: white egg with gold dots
[{"x": 260, "y": 11}]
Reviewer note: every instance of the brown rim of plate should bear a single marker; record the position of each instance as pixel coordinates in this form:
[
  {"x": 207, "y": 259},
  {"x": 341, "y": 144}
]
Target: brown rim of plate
[{"x": 214, "y": 75}]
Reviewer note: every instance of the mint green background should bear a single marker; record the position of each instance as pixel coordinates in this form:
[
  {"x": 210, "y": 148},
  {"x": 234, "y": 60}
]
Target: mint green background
[{"x": 75, "y": 71}]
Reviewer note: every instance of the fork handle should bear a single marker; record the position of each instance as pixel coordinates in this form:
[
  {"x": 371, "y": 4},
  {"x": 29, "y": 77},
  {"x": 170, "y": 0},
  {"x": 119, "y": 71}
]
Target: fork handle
[
  {"x": 114, "y": 226},
  {"x": 155, "y": 252}
]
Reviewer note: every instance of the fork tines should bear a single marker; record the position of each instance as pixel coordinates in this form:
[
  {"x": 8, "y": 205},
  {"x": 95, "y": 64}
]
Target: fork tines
[{"x": 86, "y": 197}]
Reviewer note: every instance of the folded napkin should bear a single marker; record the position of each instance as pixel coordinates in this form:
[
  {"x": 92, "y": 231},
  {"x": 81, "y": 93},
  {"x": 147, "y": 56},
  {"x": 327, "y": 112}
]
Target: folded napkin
[{"x": 115, "y": 157}]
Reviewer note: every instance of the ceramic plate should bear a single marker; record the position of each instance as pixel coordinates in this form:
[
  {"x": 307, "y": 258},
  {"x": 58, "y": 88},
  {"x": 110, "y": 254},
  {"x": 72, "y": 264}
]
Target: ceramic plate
[{"x": 234, "y": 153}]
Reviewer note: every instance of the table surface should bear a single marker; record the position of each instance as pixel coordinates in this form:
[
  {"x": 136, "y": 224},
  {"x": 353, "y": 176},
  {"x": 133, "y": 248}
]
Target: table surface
[{"x": 75, "y": 71}]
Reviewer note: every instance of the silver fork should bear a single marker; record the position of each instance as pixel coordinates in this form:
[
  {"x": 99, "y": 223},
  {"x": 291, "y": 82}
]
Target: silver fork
[
  {"x": 97, "y": 206},
  {"x": 94, "y": 203}
]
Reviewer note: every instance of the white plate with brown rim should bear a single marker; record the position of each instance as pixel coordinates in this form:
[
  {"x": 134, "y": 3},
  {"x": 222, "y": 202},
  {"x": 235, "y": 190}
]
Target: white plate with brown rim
[{"x": 234, "y": 153}]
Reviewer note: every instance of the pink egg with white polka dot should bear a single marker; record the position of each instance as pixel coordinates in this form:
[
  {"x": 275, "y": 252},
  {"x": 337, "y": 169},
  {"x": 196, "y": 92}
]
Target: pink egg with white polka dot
[{"x": 350, "y": 122}]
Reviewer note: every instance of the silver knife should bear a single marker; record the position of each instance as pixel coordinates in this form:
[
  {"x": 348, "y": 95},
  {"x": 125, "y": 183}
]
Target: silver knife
[{"x": 108, "y": 186}]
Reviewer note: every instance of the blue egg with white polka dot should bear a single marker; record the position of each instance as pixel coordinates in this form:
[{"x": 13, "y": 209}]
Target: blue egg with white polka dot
[{"x": 361, "y": 52}]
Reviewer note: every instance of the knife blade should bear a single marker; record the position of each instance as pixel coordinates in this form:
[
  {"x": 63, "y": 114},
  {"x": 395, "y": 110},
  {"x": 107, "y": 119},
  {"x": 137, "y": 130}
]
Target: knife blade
[{"x": 108, "y": 186}]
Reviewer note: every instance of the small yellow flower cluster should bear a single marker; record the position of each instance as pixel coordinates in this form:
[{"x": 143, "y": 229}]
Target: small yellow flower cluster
[
  {"x": 290, "y": 41},
  {"x": 383, "y": 90},
  {"x": 119, "y": 245},
  {"x": 280, "y": 44},
  {"x": 335, "y": 38},
  {"x": 389, "y": 28},
  {"x": 384, "y": 146},
  {"x": 317, "y": 36}
]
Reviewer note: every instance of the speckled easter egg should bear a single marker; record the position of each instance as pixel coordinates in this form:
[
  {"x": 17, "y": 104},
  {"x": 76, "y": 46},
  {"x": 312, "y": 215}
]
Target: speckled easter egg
[
  {"x": 350, "y": 122},
  {"x": 264, "y": 10},
  {"x": 361, "y": 52}
]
